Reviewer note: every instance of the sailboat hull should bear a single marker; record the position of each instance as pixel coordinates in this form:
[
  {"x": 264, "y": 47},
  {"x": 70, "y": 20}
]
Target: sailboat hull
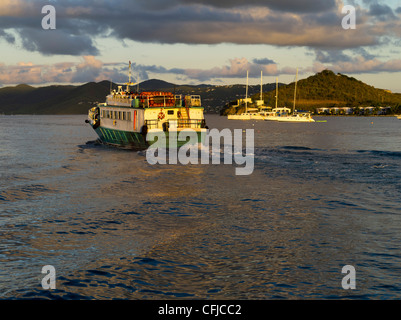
[
  {"x": 296, "y": 118},
  {"x": 246, "y": 116}
]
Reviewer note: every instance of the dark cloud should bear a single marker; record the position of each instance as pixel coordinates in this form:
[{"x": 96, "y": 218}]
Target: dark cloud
[
  {"x": 281, "y": 5},
  {"x": 7, "y": 36},
  {"x": 208, "y": 25},
  {"x": 57, "y": 42},
  {"x": 364, "y": 53},
  {"x": 381, "y": 11},
  {"x": 340, "y": 56},
  {"x": 331, "y": 56},
  {"x": 263, "y": 61},
  {"x": 310, "y": 23}
]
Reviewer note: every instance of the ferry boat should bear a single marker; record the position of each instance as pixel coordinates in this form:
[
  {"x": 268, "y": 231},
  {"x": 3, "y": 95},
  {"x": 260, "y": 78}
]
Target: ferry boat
[{"x": 127, "y": 118}]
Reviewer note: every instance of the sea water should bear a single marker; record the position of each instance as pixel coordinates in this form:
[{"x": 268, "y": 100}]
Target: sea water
[{"x": 322, "y": 196}]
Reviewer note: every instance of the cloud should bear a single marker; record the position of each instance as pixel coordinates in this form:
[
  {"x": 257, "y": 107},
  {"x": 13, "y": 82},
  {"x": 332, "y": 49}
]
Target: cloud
[
  {"x": 7, "y": 36},
  {"x": 248, "y": 25},
  {"x": 354, "y": 64},
  {"x": 331, "y": 56},
  {"x": 281, "y": 5},
  {"x": 87, "y": 70},
  {"x": 309, "y": 23},
  {"x": 313, "y": 24},
  {"x": 381, "y": 11},
  {"x": 92, "y": 69},
  {"x": 57, "y": 42},
  {"x": 263, "y": 61},
  {"x": 235, "y": 68},
  {"x": 15, "y": 8}
]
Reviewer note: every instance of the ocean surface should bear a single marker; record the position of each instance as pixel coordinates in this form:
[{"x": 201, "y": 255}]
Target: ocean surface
[{"x": 322, "y": 195}]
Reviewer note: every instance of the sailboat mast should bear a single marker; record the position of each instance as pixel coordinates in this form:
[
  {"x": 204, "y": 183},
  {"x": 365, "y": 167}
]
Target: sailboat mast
[
  {"x": 246, "y": 94},
  {"x": 261, "y": 85},
  {"x": 295, "y": 91},
  {"x": 276, "y": 91}
]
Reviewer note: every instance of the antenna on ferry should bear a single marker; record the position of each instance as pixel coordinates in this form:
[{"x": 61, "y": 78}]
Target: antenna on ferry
[{"x": 129, "y": 83}]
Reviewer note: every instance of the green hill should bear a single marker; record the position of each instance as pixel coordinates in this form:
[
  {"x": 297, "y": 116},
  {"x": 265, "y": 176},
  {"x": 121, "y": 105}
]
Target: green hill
[
  {"x": 24, "y": 99},
  {"x": 327, "y": 89}
]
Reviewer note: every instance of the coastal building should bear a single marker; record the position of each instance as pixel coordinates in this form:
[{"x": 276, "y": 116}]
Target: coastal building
[{"x": 323, "y": 110}]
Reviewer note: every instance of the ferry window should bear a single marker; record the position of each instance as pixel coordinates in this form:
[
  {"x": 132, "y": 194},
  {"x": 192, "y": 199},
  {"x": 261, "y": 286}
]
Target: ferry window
[
  {"x": 123, "y": 114},
  {"x": 115, "y": 115},
  {"x": 119, "y": 115},
  {"x": 170, "y": 112},
  {"x": 129, "y": 116}
]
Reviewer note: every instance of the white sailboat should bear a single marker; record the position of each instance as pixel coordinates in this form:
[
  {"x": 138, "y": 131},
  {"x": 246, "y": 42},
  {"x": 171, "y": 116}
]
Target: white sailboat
[
  {"x": 296, "y": 116},
  {"x": 277, "y": 113},
  {"x": 245, "y": 115},
  {"x": 259, "y": 113}
]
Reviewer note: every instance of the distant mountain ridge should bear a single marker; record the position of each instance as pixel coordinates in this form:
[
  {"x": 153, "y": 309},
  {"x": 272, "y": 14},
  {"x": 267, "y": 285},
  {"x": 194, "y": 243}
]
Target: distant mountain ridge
[
  {"x": 69, "y": 99},
  {"x": 324, "y": 89}
]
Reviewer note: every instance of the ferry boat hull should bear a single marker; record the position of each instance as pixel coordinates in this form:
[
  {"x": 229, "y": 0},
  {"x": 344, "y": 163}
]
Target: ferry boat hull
[
  {"x": 119, "y": 138},
  {"x": 137, "y": 141}
]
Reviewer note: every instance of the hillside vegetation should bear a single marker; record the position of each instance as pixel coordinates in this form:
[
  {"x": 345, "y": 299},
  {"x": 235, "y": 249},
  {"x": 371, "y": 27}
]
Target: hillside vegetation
[
  {"x": 68, "y": 99},
  {"x": 327, "y": 89}
]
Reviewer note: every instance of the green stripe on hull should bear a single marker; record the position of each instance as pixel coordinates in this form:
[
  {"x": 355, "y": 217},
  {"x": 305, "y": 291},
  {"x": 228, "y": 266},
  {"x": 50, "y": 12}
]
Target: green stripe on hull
[
  {"x": 127, "y": 139},
  {"x": 133, "y": 140}
]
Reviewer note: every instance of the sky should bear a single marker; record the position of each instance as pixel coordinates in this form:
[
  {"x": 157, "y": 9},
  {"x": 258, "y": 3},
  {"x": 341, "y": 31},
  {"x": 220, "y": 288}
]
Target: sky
[{"x": 199, "y": 41}]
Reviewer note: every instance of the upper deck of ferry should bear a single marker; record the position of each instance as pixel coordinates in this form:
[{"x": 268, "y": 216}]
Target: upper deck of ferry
[{"x": 151, "y": 99}]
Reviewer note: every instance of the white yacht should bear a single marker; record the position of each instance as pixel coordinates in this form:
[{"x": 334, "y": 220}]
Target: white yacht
[
  {"x": 259, "y": 113},
  {"x": 285, "y": 114}
]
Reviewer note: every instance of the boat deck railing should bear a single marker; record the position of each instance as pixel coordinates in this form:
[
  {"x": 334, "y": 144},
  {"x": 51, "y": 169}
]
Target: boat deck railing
[{"x": 180, "y": 123}]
